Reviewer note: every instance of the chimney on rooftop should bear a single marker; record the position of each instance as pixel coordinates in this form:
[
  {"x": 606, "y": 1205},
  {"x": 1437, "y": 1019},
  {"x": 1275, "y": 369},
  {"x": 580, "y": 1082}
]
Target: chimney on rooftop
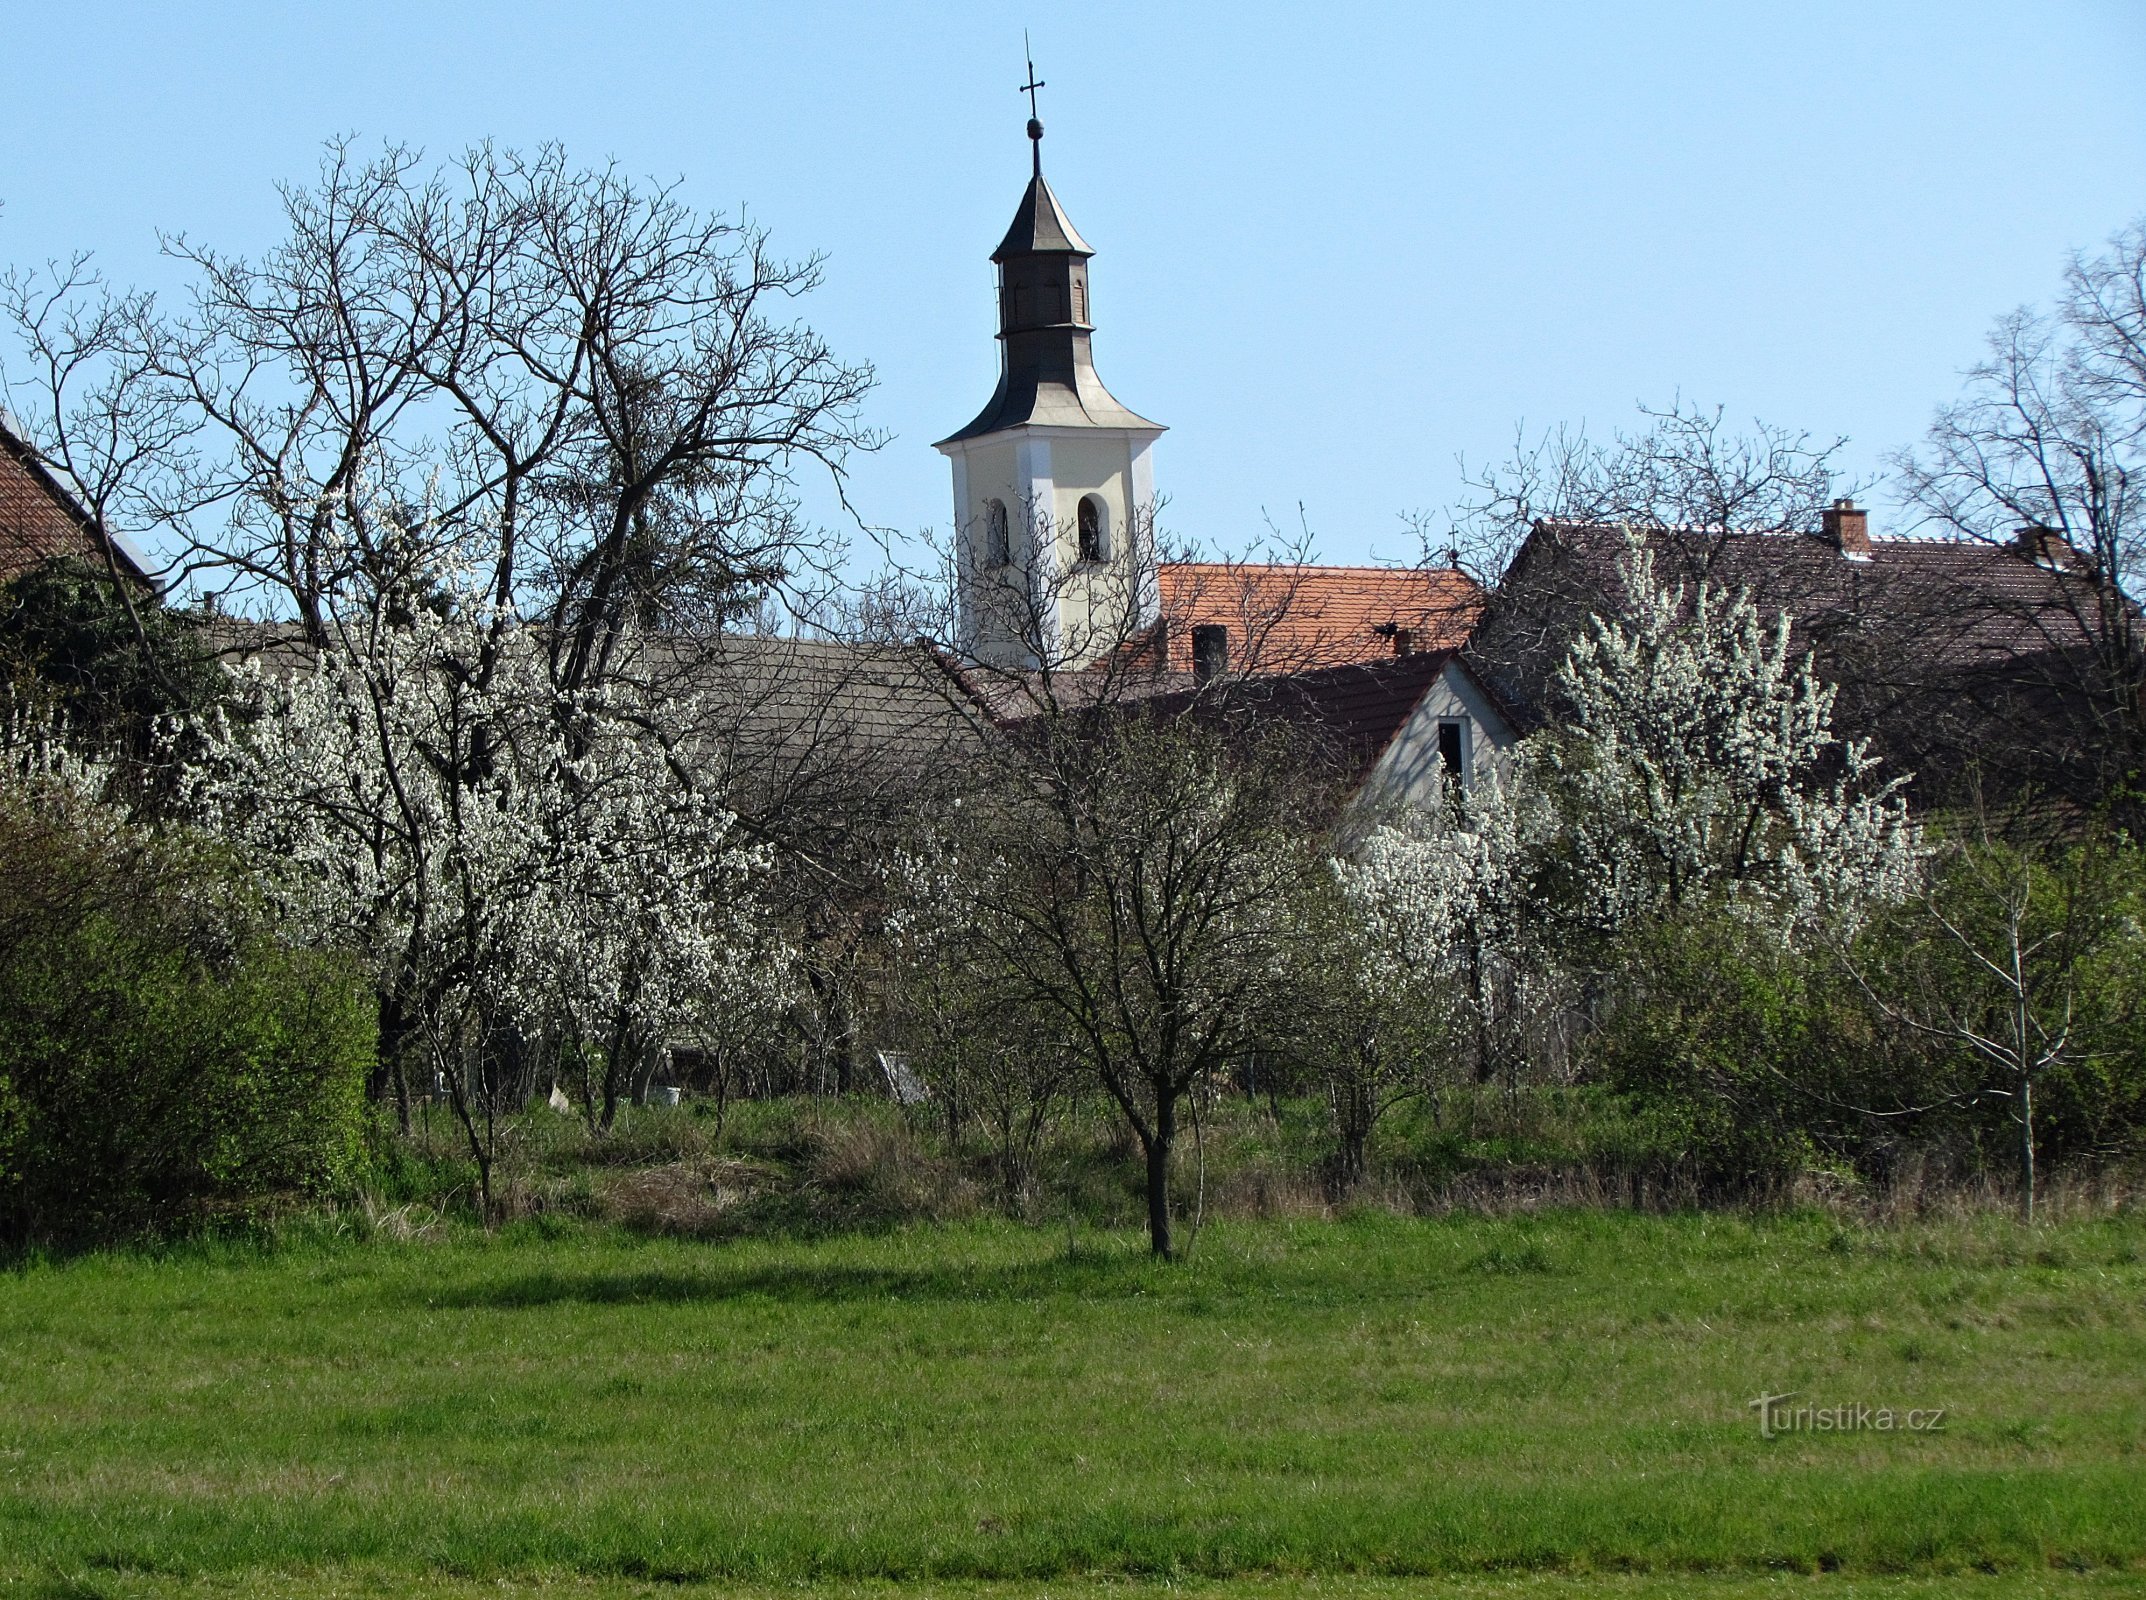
[
  {"x": 2046, "y": 547},
  {"x": 1846, "y": 527}
]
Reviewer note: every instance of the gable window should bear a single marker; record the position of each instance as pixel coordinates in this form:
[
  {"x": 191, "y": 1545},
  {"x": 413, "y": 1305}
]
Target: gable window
[
  {"x": 998, "y": 546},
  {"x": 1092, "y": 544},
  {"x": 1453, "y": 751}
]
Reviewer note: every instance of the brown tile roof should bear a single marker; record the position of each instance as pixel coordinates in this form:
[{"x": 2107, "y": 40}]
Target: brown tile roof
[
  {"x": 1360, "y": 706},
  {"x": 1285, "y": 618},
  {"x": 1351, "y": 712},
  {"x": 39, "y": 519},
  {"x": 1953, "y": 656}
]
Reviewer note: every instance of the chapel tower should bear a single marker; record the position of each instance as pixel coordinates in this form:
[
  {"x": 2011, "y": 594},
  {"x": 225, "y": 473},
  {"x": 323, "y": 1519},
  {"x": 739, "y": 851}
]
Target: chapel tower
[{"x": 1054, "y": 488}]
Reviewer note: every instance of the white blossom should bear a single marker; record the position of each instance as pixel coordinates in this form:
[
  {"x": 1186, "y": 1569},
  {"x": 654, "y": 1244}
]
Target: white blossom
[
  {"x": 1701, "y": 761},
  {"x": 36, "y": 755},
  {"x": 499, "y": 851}
]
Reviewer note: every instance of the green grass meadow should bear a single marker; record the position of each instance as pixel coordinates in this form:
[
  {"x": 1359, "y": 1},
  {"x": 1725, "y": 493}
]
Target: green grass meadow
[{"x": 1517, "y": 1406}]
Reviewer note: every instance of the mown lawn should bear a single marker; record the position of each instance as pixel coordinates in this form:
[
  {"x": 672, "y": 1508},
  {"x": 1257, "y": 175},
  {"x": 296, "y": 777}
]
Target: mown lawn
[{"x": 1510, "y": 1403}]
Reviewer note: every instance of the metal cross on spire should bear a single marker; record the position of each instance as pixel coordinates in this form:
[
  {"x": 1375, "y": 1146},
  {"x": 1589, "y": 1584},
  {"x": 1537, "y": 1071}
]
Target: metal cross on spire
[{"x": 1035, "y": 127}]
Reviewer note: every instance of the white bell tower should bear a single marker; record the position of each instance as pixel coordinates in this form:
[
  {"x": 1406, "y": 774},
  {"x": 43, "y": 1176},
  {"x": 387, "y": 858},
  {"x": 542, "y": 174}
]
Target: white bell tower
[{"x": 1054, "y": 482}]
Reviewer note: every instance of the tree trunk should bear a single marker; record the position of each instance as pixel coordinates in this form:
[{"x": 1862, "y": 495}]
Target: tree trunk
[
  {"x": 2026, "y": 1148},
  {"x": 1352, "y": 1157},
  {"x": 609, "y": 1112},
  {"x": 387, "y": 1074},
  {"x": 1158, "y": 1145}
]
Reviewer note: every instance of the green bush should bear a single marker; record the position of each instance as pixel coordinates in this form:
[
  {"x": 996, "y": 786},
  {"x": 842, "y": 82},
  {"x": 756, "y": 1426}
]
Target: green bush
[
  {"x": 1773, "y": 1060},
  {"x": 1723, "y": 1039},
  {"x": 164, "y": 1059},
  {"x": 67, "y": 637}
]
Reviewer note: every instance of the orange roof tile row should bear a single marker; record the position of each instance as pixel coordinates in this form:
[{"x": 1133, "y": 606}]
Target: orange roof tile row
[{"x": 1289, "y": 618}]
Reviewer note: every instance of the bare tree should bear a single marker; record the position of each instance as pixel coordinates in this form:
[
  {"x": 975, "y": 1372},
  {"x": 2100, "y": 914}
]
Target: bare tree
[
  {"x": 2045, "y": 453},
  {"x": 1685, "y": 469},
  {"x": 1142, "y": 895},
  {"x": 2001, "y": 975},
  {"x": 1142, "y": 834},
  {"x": 580, "y": 381}
]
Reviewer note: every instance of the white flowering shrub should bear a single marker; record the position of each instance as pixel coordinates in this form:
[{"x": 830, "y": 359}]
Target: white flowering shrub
[
  {"x": 1700, "y": 763},
  {"x": 509, "y": 859}
]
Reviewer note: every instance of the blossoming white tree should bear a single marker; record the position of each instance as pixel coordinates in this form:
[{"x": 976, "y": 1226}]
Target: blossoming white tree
[
  {"x": 644, "y": 923},
  {"x": 519, "y": 864},
  {"x": 1449, "y": 932},
  {"x": 1700, "y": 760},
  {"x": 1698, "y": 767}
]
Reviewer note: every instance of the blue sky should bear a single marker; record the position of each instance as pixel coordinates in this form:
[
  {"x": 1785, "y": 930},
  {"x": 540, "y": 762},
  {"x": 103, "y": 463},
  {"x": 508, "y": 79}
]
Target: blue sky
[{"x": 1339, "y": 246}]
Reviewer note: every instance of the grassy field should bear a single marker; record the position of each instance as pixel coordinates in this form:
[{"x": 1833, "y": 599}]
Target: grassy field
[{"x": 1302, "y": 1408}]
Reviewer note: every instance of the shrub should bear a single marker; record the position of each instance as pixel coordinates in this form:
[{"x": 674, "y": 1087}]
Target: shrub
[
  {"x": 164, "y": 1059},
  {"x": 116, "y": 675},
  {"x": 1775, "y": 1060},
  {"x": 1750, "y": 1061}
]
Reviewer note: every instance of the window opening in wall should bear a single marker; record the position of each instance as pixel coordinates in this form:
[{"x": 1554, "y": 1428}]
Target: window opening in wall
[
  {"x": 998, "y": 547},
  {"x": 1091, "y": 530},
  {"x": 1453, "y": 751},
  {"x": 1210, "y": 651},
  {"x": 1080, "y": 301}
]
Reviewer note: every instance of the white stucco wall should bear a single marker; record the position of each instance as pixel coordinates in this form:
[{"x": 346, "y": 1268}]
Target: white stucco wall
[
  {"x": 1409, "y": 771},
  {"x": 1041, "y": 476}
]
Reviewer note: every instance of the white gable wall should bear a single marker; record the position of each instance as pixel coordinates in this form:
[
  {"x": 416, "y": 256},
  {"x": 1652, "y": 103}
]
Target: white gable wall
[{"x": 1410, "y": 770}]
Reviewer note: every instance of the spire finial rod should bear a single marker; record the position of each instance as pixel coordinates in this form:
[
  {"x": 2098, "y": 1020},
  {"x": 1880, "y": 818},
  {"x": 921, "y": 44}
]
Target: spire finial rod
[{"x": 1035, "y": 126}]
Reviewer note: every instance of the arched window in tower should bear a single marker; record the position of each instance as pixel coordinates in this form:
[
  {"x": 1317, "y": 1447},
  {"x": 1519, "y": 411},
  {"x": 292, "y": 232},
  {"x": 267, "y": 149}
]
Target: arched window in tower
[
  {"x": 1080, "y": 301},
  {"x": 1094, "y": 546},
  {"x": 998, "y": 546}
]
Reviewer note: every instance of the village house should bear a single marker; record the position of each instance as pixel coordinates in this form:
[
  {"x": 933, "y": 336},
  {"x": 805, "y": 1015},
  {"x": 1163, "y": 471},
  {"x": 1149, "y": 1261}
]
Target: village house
[
  {"x": 41, "y": 519},
  {"x": 1978, "y": 671}
]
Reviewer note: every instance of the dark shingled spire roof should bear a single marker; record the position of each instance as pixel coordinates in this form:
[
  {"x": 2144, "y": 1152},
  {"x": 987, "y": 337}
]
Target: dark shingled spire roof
[
  {"x": 1046, "y": 368},
  {"x": 1040, "y": 227}
]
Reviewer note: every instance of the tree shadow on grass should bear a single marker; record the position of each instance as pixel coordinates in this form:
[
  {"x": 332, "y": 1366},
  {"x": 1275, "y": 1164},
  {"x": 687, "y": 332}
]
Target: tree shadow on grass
[{"x": 1117, "y": 1274}]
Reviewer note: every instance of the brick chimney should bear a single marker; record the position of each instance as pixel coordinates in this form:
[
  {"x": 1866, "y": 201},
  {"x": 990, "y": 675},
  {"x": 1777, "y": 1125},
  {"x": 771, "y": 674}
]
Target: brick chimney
[
  {"x": 2046, "y": 547},
  {"x": 1846, "y": 527}
]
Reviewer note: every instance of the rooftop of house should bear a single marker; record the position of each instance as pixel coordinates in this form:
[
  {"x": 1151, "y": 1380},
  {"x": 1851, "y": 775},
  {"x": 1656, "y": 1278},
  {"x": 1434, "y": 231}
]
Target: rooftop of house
[
  {"x": 1958, "y": 603},
  {"x": 1291, "y": 618},
  {"x": 40, "y": 519},
  {"x": 1973, "y": 668}
]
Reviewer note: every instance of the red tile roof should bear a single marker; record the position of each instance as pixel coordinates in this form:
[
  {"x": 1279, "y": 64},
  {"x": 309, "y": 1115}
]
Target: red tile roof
[
  {"x": 1286, "y": 618},
  {"x": 39, "y": 519}
]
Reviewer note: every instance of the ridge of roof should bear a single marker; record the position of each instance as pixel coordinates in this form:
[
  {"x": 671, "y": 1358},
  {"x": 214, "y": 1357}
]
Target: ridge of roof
[{"x": 1318, "y": 566}]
